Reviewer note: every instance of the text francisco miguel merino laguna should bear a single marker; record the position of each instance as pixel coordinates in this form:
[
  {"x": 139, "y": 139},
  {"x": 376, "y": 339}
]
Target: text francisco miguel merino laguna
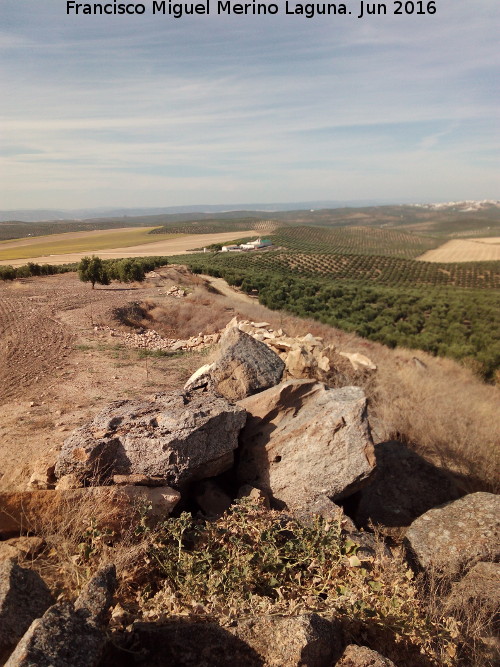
[{"x": 179, "y": 9}]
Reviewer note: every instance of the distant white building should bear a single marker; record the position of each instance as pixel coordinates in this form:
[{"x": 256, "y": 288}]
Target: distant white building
[{"x": 251, "y": 245}]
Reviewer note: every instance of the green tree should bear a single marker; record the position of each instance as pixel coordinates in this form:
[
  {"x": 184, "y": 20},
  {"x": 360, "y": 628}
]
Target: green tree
[
  {"x": 92, "y": 270},
  {"x": 127, "y": 271}
]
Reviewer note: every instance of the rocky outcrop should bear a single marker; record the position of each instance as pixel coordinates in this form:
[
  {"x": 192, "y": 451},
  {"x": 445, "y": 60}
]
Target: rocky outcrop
[
  {"x": 69, "y": 635},
  {"x": 97, "y": 596},
  {"x": 179, "y": 437},
  {"x": 404, "y": 487},
  {"x": 113, "y": 507},
  {"x": 361, "y": 656},
  {"x": 458, "y": 534},
  {"x": 243, "y": 367},
  {"x": 359, "y": 361},
  {"x": 302, "y": 440},
  {"x": 24, "y": 596}
]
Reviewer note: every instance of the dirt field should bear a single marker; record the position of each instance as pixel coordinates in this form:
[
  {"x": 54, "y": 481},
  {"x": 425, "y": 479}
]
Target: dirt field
[
  {"x": 56, "y": 371},
  {"x": 471, "y": 250},
  {"x": 56, "y": 250}
]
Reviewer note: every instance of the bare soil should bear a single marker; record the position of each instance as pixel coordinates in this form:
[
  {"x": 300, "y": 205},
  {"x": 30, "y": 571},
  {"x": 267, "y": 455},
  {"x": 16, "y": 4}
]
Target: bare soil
[
  {"x": 465, "y": 250},
  {"x": 57, "y": 371}
]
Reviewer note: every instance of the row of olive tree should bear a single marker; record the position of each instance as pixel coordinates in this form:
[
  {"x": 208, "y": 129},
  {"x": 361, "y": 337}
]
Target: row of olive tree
[{"x": 94, "y": 270}]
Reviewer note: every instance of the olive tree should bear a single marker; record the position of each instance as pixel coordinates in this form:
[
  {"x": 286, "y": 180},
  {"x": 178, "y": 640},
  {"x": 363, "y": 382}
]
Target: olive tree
[{"x": 92, "y": 270}]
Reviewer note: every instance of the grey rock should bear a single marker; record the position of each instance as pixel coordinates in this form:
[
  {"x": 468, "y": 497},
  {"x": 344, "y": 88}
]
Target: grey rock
[
  {"x": 291, "y": 641},
  {"x": 70, "y": 635},
  {"x": 324, "y": 507},
  {"x": 369, "y": 547},
  {"x": 302, "y": 440},
  {"x": 63, "y": 637},
  {"x": 97, "y": 595},
  {"x": 253, "y": 494},
  {"x": 244, "y": 366},
  {"x": 24, "y": 596},
  {"x": 179, "y": 437},
  {"x": 458, "y": 534},
  {"x": 361, "y": 656},
  {"x": 404, "y": 487}
]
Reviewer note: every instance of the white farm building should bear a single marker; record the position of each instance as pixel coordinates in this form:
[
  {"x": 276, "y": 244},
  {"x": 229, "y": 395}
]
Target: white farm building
[{"x": 252, "y": 245}]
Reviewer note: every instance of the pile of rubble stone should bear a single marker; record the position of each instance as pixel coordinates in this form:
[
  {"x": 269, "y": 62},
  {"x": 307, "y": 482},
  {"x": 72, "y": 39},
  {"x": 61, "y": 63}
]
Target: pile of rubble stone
[
  {"x": 176, "y": 291},
  {"x": 303, "y": 356}
]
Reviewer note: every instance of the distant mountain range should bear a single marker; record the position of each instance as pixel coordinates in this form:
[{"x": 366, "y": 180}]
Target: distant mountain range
[{"x": 42, "y": 215}]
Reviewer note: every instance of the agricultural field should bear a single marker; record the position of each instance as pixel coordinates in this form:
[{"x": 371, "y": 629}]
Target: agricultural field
[
  {"x": 370, "y": 280},
  {"x": 214, "y": 226},
  {"x": 70, "y": 248},
  {"x": 445, "y": 309},
  {"x": 477, "y": 250},
  {"x": 370, "y": 269},
  {"x": 59, "y": 244},
  {"x": 353, "y": 240}
]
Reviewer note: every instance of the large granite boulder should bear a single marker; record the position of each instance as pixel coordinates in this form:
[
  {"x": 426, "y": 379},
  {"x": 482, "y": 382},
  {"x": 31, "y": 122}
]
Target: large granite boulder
[
  {"x": 177, "y": 436},
  {"x": 403, "y": 488},
  {"x": 244, "y": 366},
  {"x": 458, "y": 534},
  {"x": 24, "y": 596},
  {"x": 302, "y": 440},
  {"x": 70, "y": 635}
]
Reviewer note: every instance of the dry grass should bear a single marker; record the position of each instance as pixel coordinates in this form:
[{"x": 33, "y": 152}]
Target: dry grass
[
  {"x": 470, "y": 250},
  {"x": 441, "y": 409},
  {"x": 472, "y": 608}
]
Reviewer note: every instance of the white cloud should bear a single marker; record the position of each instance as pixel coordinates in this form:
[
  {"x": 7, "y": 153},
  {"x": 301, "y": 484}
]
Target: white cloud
[{"x": 142, "y": 109}]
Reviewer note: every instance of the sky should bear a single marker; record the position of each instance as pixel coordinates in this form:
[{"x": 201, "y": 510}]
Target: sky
[{"x": 156, "y": 111}]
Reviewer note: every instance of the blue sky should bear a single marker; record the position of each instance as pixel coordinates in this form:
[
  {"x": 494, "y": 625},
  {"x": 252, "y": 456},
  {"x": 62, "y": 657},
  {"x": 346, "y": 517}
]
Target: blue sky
[{"x": 153, "y": 111}]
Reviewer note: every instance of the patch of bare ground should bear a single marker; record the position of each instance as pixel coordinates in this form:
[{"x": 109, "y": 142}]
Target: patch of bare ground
[
  {"x": 58, "y": 370},
  {"x": 465, "y": 250}
]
